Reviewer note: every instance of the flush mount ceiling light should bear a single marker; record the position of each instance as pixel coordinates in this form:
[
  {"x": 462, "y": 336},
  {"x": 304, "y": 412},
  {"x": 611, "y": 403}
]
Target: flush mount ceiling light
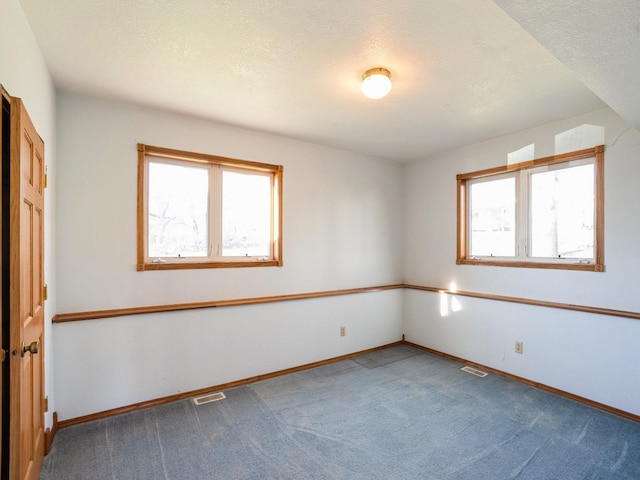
[{"x": 376, "y": 82}]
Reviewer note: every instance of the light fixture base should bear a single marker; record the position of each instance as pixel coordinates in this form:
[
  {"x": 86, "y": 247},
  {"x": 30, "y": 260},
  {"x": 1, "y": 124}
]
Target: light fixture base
[{"x": 376, "y": 71}]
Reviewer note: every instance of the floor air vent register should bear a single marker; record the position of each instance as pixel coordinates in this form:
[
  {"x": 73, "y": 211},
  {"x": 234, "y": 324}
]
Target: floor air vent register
[
  {"x": 474, "y": 371},
  {"x": 208, "y": 398}
]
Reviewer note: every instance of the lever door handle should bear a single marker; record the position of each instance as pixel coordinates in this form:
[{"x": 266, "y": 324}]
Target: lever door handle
[{"x": 33, "y": 348}]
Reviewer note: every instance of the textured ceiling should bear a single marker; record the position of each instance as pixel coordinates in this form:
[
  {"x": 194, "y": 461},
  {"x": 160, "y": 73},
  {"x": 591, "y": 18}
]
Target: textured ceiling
[
  {"x": 597, "y": 40},
  {"x": 463, "y": 71}
]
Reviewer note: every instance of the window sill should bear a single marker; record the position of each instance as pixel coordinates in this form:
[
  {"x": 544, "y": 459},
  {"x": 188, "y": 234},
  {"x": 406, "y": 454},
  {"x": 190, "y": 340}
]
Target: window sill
[
  {"x": 586, "y": 267},
  {"x": 196, "y": 265}
]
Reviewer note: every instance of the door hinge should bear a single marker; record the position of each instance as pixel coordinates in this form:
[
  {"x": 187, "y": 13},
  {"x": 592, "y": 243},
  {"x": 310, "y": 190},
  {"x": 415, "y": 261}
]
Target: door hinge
[
  {"x": 45, "y": 177},
  {"x": 45, "y": 292},
  {"x": 45, "y": 404}
]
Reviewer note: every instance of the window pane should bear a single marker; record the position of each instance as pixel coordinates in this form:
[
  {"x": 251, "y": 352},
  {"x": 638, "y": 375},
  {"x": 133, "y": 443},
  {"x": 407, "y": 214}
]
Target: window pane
[
  {"x": 562, "y": 215},
  {"x": 178, "y": 210},
  {"x": 492, "y": 208},
  {"x": 246, "y": 214}
]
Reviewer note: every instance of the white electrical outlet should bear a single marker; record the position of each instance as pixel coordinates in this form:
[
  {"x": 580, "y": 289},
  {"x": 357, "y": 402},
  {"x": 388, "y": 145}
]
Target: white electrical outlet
[
  {"x": 519, "y": 347},
  {"x": 343, "y": 331}
]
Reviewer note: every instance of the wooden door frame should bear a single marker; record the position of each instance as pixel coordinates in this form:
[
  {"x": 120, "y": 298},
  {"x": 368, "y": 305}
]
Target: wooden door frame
[{"x": 5, "y": 127}]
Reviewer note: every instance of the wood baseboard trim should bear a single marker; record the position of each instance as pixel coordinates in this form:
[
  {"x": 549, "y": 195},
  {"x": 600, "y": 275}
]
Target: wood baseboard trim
[
  {"x": 531, "y": 383},
  {"x": 50, "y": 433},
  {"x": 121, "y": 312},
  {"x": 202, "y": 391}
]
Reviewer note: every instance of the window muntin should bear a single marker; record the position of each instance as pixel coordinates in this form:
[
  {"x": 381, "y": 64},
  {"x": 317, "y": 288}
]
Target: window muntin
[
  {"x": 204, "y": 211},
  {"x": 556, "y": 222}
]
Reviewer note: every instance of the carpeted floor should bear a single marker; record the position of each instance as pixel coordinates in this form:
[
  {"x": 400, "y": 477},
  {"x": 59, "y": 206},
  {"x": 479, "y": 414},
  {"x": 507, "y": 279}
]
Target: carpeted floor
[{"x": 394, "y": 414}]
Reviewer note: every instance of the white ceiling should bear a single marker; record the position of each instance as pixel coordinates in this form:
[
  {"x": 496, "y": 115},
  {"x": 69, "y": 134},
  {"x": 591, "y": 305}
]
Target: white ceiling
[
  {"x": 463, "y": 71},
  {"x": 598, "y": 40}
]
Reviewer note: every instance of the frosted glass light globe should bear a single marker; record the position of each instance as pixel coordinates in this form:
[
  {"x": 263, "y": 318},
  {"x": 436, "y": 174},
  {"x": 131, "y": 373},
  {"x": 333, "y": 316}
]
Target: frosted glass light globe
[{"x": 376, "y": 83}]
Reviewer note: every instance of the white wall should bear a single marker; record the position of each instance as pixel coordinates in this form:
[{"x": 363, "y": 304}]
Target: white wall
[
  {"x": 589, "y": 355},
  {"x": 343, "y": 228},
  {"x": 343, "y": 224},
  {"x": 24, "y": 74},
  {"x": 103, "y": 364},
  {"x": 342, "y": 212}
]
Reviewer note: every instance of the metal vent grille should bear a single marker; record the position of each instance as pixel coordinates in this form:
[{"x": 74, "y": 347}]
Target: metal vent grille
[
  {"x": 474, "y": 371},
  {"x": 211, "y": 397}
]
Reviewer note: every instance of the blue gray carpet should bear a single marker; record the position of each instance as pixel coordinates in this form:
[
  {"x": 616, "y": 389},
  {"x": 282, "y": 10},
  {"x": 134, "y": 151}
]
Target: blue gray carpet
[{"x": 398, "y": 413}]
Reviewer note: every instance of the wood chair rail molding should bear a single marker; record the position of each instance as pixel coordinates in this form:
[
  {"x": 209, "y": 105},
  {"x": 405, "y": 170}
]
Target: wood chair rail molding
[
  {"x": 121, "y": 312},
  {"x": 534, "y": 302}
]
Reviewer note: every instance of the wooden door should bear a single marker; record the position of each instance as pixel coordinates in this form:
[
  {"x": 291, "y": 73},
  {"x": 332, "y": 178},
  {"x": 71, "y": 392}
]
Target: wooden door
[{"x": 26, "y": 292}]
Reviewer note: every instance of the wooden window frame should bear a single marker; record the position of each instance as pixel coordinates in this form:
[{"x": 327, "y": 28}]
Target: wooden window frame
[
  {"x": 462, "y": 248},
  {"x": 146, "y": 152}
]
